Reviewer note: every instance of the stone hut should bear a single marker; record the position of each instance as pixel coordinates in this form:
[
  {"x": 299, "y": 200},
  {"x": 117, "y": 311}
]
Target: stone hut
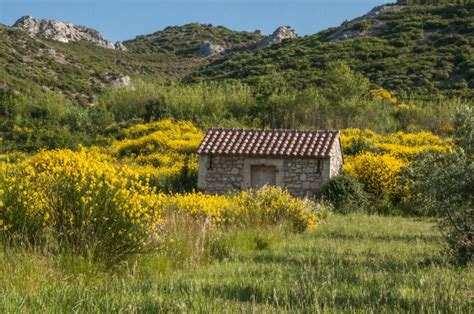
[{"x": 238, "y": 159}]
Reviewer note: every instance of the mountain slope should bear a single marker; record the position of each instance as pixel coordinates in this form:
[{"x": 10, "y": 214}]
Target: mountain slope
[
  {"x": 185, "y": 41},
  {"x": 47, "y": 55},
  {"x": 409, "y": 49},
  {"x": 421, "y": 49},
  {"x": 77, "y": 69}
]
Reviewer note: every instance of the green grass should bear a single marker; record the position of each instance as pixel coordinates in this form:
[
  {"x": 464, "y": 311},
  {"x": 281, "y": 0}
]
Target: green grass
[{"x": 351, "y": 263}]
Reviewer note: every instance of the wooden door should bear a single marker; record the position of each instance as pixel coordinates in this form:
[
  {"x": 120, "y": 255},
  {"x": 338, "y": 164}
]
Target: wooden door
[{"x": 262, "y": 175}]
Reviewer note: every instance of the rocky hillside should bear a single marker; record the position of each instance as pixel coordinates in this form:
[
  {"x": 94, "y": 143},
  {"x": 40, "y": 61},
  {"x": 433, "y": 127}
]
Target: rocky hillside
[
  {"x": 371, "y": 24},
  {"x": 193, "y": 40},
  {"x": 79, "y": 62},
  {"x": 407, "y": 48},
  {"x": 63, "y": 32},
  {"x": 78, "y": 69}
]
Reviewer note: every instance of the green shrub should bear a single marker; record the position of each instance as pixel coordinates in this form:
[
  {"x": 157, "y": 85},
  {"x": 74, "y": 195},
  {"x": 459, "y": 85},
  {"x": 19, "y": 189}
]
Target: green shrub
[
  {"x": 464, "y": 128},
  {"x": 441, "y": 185},
  {"x": 347, "y": 195}
]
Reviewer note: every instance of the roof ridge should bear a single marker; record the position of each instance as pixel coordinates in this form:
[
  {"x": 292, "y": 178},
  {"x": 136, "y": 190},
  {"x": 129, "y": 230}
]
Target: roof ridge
[{"x": 274, "y": 129}]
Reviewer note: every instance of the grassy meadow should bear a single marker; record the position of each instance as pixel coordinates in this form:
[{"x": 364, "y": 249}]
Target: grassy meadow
[
  {"x": 121, "y": 228},
  {"x": 352, "y": 263},
  {"x": 99, "y": 205}
]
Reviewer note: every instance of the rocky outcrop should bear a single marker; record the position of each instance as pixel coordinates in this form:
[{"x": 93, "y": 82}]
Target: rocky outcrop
[
  {"x": 281, "y": 33},
  {"x": 209, "y": 49},
  {"x": 120, "y": 46},
  {"x": 61, "y": 31},
  {"x": 369, "y": 24},
  {"x": 122, "y": 81}
]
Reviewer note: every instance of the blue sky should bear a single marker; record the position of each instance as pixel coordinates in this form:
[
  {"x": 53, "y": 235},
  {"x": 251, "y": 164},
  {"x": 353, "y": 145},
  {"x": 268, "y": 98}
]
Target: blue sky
[{"x": 125, "y": 19}]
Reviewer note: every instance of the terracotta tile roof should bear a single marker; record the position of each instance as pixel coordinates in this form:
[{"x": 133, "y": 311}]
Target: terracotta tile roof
[{"x": 269, "y": 143}]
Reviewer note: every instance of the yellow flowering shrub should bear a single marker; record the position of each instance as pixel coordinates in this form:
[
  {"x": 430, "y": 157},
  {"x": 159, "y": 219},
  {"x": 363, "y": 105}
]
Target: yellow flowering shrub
[
  {"x": 169, "y": 164},
  {"x": 384, "y": 94},
  {"x": 199, "y": 205},
  {"x": 399, "y": 144},
  {"x": 378, "y": 172},
  {"x": 85, "y": 199},
  {"x": 266, "y": 206},
  {"x": 167, "y": 172},
  {"x": 165, "y": 150},
  {"x": 269, "y": 205},
  {"x": 11, "y": 157},
  {"x": 161, "y": 136},
  {"x": 165, "y": 125}
]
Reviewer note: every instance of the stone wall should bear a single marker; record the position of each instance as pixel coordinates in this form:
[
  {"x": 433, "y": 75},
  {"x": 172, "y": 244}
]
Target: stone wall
[
  {"x": 218, "y": 175},
  {"x": 336, "y": 160},
  {"x": 302, "y": 177},
  {"x": 305, "y": 177}
]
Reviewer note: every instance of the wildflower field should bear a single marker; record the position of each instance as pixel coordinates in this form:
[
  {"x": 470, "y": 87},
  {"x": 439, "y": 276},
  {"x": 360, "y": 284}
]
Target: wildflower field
[
  {"x": 112, "y": 202},
  {"x": 130, "y": 209},
  {"x": 115, "y": 198}
]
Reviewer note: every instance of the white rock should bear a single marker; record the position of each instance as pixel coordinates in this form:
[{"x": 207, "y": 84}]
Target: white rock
[
  {"x": 209, "y": 49},
  {"x": 121, "y": 81},
  {"x": 375, "y": 23},
  {"x": 61, "y": 31},
  {"x": 280, "y": 34},
  {"x": 120, "y": 46}
]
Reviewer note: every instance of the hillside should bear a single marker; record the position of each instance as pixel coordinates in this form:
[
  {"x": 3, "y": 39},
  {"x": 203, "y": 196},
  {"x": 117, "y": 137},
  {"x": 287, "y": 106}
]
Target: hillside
[
  {"x": 408, "y": 49},
  {"x": 185, "y": 41},
  {"x": 77, "y": 69},
  {"x": 81, "y": 69},
  {"x": 422, "y": 49}
]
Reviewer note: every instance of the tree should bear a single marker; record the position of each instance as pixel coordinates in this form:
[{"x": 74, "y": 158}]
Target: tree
[
  {"x": 442, "y": 185},
  {"x": 464, "y": 128},
  {"x": 344, "y": 91}
]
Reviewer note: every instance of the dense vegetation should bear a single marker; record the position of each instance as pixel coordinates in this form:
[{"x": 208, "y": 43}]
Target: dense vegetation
[
  {"x": 42, "y": 119},
  {"x": 184, "y": 41},
  {"x": 99, "y": 208},
  {"x": 424, "y": 50}
]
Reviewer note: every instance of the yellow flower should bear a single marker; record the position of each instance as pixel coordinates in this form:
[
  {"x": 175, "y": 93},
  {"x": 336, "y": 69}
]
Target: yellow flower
[{"x": 379, "y": 172}]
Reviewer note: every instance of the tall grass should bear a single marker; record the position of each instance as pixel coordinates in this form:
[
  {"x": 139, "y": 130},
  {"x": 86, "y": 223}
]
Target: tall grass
[
  {"x": 200, "y": 103},
  {"x": 353, "y": 263},
  {"x": 48, "y": 120}
]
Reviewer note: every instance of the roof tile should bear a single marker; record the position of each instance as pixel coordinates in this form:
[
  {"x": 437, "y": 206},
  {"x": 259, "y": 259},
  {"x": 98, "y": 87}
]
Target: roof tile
[{"x": 266, "y": 143}]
